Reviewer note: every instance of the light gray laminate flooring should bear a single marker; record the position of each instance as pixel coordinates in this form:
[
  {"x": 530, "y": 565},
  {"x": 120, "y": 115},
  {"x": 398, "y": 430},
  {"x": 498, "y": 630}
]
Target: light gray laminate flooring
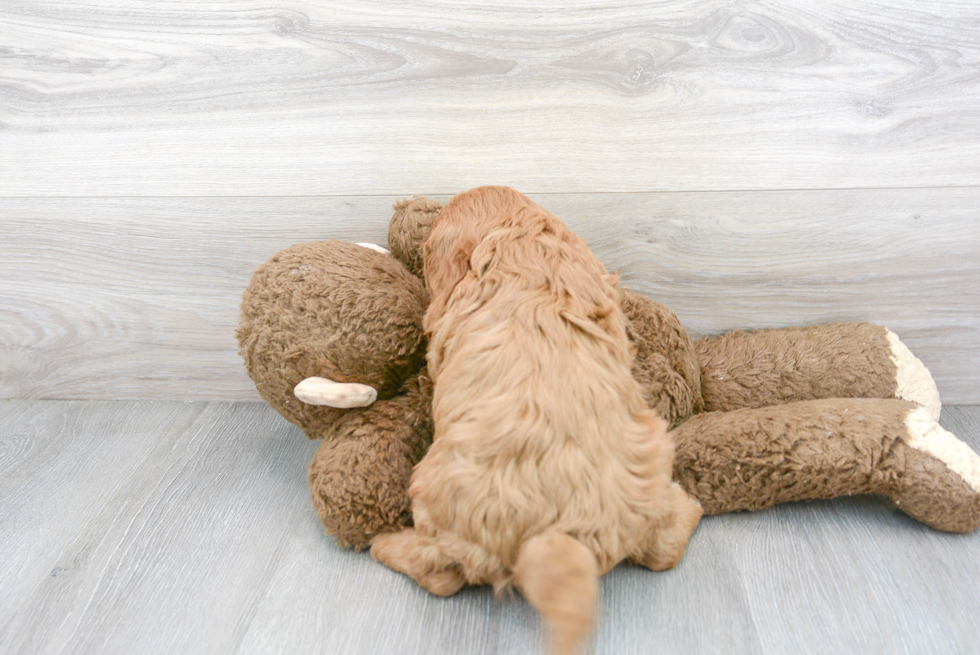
[{"x": 170, "y": 527}]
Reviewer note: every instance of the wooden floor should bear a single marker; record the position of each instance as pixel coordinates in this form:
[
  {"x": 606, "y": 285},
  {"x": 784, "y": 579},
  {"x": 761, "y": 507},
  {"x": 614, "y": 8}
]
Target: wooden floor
[{"x": 168, "y": 527}]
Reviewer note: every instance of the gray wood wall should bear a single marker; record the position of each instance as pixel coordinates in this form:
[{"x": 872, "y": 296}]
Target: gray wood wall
[{"x": 748, "y": 164}]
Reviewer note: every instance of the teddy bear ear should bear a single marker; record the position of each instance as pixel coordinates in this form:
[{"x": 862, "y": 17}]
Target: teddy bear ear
[
  {"x": 342, "y": 395},
  {"x": 375, "y": 247},
  {"x": 409, "y": 228}
]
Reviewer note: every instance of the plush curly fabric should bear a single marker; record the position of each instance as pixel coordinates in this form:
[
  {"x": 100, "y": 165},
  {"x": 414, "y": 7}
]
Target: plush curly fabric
[
  {"x": 360, "y": 474},
  {"x": 409, "y": 228},
  {"x": 335, "y": 310},
  {"x": 772, "y": 367},
  {"x": 666, "y": 364},
  {"x": 753, "y": 458}
]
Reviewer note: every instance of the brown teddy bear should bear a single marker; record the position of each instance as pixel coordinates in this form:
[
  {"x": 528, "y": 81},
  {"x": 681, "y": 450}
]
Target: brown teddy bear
[{"x": 332, "y": 336}]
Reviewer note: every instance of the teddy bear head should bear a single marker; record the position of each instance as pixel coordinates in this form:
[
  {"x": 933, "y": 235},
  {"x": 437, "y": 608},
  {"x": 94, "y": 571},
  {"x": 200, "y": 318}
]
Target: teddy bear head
[{"x": 337, "y": 312}]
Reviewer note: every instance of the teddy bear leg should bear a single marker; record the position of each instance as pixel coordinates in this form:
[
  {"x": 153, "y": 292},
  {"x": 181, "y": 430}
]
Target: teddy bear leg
[
  {"x": 751, "y": 459},
  {"x": 667, "y": 538},
  {"x": 420, "y": 559},
  {"x": 950, "y": 500},
  {"x": 842, "y": 360}
]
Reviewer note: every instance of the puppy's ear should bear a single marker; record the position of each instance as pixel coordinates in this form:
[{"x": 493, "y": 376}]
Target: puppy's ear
[{"x": 446, "y": 254}]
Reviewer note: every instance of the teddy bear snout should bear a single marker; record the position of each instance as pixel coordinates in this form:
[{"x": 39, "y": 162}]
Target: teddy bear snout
[{"x": 342, "y": 395}]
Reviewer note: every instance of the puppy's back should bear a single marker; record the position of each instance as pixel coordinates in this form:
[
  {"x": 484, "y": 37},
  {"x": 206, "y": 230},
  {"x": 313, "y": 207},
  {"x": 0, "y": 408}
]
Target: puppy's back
[
  {"x": 544, "y": 449},
  {"x": 539, "y": 421}
]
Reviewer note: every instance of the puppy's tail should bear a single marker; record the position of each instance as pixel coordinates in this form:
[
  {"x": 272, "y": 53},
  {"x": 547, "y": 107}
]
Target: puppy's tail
[{"x": 560, "y": 578}]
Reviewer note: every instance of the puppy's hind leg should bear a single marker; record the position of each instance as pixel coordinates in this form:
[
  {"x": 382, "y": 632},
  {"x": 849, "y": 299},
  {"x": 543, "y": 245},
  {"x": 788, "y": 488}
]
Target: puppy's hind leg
[
  {"x": 420, "y": 559},
  {"x": 667, "y": 538}
]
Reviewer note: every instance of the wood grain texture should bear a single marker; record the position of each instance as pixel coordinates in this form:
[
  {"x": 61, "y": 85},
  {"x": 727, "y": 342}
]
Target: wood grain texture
[
  {"x": 240, "y": 97},
  {"x": 135, "y": 526},
  {"x": 60, "y": 467},
  {"x": 138, "y": 297},
  {"x": 174, "y": 552}
]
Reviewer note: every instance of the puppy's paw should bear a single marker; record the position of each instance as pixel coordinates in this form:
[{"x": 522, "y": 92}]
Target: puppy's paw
[
  {"x": 394, "y": 549},
  {"x": 419, "y": 559},
  {"x": 666, "y": 543}
]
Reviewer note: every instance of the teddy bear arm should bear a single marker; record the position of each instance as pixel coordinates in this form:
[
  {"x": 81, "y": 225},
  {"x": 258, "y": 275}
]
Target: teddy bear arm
[
  {"x": 664, "y": 389},
  {"x": 665, "y": 362},
  {"x": 359, "y": 476},
  {"x": 841, "y": 360},
  {"x": 751, "y": 459}
]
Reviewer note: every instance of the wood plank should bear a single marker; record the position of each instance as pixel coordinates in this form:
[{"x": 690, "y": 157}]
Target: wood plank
[
  {"x": 129, "y": 298},
  {"x": 187, "y": 528},
  {"x": 138, "y": 297},
  {"x": 176, "y": 558},
  {"x": 60, "y": 465},
  {"x": 848, "y": 576},
  {"x": 362, "y": 97},
  {"x": 879, "y": 581},
  {"x": 344, "y": 602}
]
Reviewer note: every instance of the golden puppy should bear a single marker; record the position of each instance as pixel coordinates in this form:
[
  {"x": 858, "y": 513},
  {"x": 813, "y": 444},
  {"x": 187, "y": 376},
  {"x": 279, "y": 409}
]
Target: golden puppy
[{"x": 547, "y": 468}]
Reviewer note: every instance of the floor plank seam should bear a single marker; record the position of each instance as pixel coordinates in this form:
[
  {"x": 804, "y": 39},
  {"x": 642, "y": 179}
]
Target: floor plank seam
[{"x": 531, "y": 192}]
